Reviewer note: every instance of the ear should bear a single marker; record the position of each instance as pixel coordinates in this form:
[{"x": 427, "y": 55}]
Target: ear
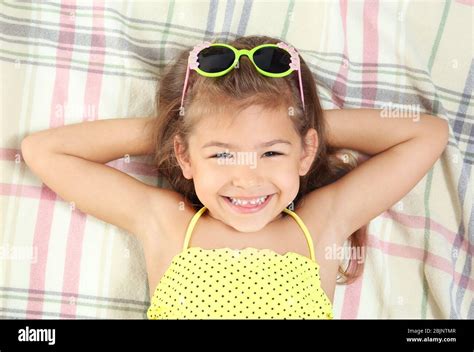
[
  {"x": 309, "y": 152},
  {"x": 183, "y": 157}
]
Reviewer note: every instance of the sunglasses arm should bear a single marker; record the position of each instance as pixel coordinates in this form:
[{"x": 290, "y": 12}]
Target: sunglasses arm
[
  {"x": 294, "y": 64},
  {"x": 192, "y": 64},
  {"x": 184, "y": 90},
  {"x": 301, "y": 88}
]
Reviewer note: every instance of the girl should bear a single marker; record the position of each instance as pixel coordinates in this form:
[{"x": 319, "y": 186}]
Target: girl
[{"x": 241, "y": 137}]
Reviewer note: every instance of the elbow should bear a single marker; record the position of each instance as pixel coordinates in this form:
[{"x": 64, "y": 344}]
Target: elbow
[
  {"x": 443, "y": 132},
  {"x": 29, "y": 149},
  {"x": 26, "y": 149},
  {"x": 439, "y": 130},
  {"x": 435, "y": 134},
  {"x": 440, "y": 134}
]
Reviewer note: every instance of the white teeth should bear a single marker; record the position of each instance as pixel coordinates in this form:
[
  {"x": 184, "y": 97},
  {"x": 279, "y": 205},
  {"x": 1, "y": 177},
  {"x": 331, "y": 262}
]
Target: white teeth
[{"x": 256, "y": 201}]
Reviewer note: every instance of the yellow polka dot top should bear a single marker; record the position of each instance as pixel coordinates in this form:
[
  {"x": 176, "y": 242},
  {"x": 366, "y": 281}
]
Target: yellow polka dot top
[{"x": 240, "y": 284}]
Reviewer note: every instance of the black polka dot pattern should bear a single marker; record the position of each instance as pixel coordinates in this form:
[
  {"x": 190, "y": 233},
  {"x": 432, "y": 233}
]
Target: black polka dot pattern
[{"x": 240, "y": 284}]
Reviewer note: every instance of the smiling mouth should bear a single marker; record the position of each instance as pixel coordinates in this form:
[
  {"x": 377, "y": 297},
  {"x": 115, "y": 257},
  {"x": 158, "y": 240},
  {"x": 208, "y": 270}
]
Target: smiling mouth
[{"x": 248, "y": 205}]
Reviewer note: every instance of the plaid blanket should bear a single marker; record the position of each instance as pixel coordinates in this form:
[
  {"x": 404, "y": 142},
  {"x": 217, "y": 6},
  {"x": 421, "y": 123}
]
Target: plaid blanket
[{"x": 67, "y": 62}]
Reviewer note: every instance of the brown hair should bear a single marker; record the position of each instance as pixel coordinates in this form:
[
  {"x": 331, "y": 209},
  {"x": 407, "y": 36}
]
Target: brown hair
[{"x": 238, "y": 89}]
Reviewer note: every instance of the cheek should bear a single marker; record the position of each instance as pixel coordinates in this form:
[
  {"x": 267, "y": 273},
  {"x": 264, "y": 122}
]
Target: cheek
[
  {"x": 209, "y": 179},
  {"x": 286, "y": 169},
  {"x": 286, "y": 181},
  {"x": 287, "y": 178}
]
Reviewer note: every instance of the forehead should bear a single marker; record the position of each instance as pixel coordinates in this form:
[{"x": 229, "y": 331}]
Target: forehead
[{"x": 252, "y": 124}]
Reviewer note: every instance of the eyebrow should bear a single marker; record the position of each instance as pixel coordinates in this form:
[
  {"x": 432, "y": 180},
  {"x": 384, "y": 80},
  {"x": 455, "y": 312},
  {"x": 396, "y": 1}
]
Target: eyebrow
[{"x": 227, "y": 145}]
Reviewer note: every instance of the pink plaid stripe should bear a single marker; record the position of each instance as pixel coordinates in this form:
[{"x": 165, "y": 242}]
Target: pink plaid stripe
[
  {"x": 45, "y": 212},
  {"x": 352, "y": 293},
  {"x": 72, "y": 265}
]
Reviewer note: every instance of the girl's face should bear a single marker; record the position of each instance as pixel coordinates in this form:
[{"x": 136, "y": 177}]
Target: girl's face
[{"x": 257, "y": 156}]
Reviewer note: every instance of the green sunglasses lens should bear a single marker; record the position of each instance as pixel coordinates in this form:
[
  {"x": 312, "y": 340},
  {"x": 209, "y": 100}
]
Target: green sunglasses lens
[
  {"x": 272, "y": 59},
  {"x": 215, "y": 59}
]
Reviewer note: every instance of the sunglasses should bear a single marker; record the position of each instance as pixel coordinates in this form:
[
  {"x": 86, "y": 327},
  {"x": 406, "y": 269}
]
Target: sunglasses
[{"x": 215, "y": 60}]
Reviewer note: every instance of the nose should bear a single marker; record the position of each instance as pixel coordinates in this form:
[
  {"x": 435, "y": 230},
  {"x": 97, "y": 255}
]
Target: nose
[{"x": 244, "y": 176}]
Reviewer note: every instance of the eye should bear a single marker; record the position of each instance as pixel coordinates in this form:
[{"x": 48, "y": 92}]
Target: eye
[
  {"x": 274, "y": 153},
  {"x": 225, "y": 155},
  {"x": 222, "y": 155}
]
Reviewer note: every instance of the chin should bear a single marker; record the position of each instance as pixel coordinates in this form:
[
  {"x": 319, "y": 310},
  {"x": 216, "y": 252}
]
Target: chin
[{"x": 249, "y": 227}]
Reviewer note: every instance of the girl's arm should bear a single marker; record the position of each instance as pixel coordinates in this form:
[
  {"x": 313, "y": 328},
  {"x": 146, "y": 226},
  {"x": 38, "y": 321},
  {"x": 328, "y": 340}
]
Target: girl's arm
[
  {"x": 403, "y": 150},
  {"x": 70, "y": 160}
]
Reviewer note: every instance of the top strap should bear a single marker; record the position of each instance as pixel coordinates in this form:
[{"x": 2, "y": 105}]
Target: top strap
[
  {"x": 295, "y": 216},
  {"x": 309, "y": 239},
  {"x": 193, "y": 221}
]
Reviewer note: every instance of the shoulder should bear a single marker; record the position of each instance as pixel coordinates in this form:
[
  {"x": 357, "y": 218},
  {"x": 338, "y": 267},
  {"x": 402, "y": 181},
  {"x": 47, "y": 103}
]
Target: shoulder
[
  {"x": 316, "y": 209},
  {"x": 170, "y": 213}
]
